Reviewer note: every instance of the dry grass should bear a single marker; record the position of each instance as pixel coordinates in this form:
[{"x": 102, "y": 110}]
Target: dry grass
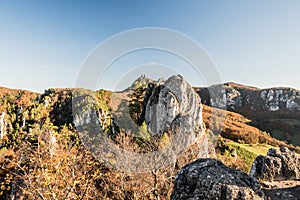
[{"x": 234, "y": 126}]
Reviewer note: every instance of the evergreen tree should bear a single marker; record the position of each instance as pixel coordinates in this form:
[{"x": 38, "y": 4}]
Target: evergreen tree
[{"x": 136, "y": 103}]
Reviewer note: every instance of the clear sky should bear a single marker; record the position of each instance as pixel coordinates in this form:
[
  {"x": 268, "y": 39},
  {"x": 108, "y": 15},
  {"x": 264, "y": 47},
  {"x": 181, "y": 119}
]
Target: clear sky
[{"x": 44, "y": 43}]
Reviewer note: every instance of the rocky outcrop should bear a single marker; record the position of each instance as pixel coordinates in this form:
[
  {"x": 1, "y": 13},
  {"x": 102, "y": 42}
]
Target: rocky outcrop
[
  {"x": 173, "y": 106},
  {"x": 3, "y": 125},
  {"x": 143, "y": 80},
  {"x": 211, "y": 179},
  {"x": 280, "y": 164},
  {"x": 273, "y": 110},
  {"x": 104, "y": 118},
  {"x": 236, "y": 97},
  {"x": 282, "y": 190}
]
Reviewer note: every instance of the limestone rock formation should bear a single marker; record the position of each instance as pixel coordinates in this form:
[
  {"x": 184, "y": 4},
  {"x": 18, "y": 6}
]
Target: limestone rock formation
[
  {"x": 236, "y": 97},
  {"x": 173, "y": 105},
  {"x": 143, "y": 80},
  {"x": 264, "y": 107},
  {"x": 104, "y": 118},
  {"x": 211, "y": 179},
  {"x": 3, "y": 125},
  {"x": 278, "y": 165}
]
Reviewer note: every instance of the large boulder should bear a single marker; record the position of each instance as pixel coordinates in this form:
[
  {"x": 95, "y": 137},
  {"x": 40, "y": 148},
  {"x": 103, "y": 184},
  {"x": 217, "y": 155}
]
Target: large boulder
[
  {"x": 173, "y": 105},
  {"x": 211, "y": 179},
  {"x": 278, "y": 165}
]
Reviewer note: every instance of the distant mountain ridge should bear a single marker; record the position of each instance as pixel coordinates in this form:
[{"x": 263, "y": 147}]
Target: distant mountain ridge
[
  {"x": 275, "y": 110},
  {"x": 235, "y": 97}
]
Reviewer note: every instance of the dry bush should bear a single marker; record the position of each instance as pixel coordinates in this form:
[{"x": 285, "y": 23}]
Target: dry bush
[
  {"x": 43, "y": 172},
  {"x": 57, "y": 166}
]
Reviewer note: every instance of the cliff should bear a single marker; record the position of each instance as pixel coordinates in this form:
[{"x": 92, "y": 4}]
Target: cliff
[{"x": 274, "y": 110}]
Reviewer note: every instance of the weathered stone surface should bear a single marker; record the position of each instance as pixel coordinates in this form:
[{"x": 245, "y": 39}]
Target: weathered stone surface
[
  {"x": 279, "y": 190},
  {"x": 264, "y": 107},
  {"x": 211, "y": 179},
  {"x": 174, "y": 105},
  {"x": 104, "y": 118},
  {"x": 3, "y": 125},
  {"x": 238, "y": 97},
  {"x": 280, "y": 164}
]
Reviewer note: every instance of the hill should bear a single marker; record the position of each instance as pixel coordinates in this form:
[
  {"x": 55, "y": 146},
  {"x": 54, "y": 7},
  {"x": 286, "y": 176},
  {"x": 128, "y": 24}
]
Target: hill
[
  {"x": 42, "y": 154},
  {"x": 274, "y": 110}
]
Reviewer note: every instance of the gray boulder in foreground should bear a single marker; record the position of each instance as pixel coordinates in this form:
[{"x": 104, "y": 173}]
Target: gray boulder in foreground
[
  {"x": 278, "y": 165},
  {"x": 210, "y": 179}
]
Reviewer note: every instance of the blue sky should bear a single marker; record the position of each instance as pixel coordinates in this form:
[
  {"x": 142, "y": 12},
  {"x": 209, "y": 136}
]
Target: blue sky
[{"x": 44, "y": 43}]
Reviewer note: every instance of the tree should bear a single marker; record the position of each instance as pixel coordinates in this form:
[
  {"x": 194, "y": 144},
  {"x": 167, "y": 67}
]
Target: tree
[
  {"x": 143, "y": 135},
  {"x": 136, "y": 104}
]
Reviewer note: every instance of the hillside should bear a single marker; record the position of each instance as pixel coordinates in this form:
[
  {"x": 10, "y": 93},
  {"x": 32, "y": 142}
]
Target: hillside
[
  {"x": 274, "y": 110},
  {"x": 236, "y": 134},
  {"x": 236, "y": 128},
  {"x": 44, "y": 154},
  {"x": 18, "y": 97},
  {"x": 55, "y": 105}
]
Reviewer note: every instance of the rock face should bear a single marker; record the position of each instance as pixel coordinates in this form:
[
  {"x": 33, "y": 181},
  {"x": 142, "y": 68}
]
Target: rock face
[
  {"x": 211, "y": 179},
  {"x": 274, "y": 110},
  {"x": 236, "y": 97},
  {"x": 140, "y": 81},
  {"x": 3, "y": 125},
  {"x": 173, "y": 105},
  {"x": 277, "y": 165},
  {"x": 104, "y": 118}
]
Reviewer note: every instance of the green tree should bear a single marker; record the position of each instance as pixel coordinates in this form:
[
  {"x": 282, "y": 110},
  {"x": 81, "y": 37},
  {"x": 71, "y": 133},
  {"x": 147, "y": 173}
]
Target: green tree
[
  {"x": 143, "y": 133},
  {"x": 136, "y": 103}
]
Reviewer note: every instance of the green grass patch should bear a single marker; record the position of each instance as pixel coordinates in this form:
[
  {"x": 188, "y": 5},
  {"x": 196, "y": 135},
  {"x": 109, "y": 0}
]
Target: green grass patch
[
  {"x": 257, "y": 149},
  {"x": 247, "y": 156},
  {"x": 248, "y": 152}
]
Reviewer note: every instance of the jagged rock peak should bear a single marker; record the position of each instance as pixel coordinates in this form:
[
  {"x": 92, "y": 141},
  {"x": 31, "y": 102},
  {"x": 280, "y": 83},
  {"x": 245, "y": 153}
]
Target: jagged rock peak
[
  {"x": 211, "y": 179},
  {"x": 278, "y": 165},
  {"x": 143, "y": 80},
  {"x": 238, "y": 85},
  {"x": 174, "y": 106}
]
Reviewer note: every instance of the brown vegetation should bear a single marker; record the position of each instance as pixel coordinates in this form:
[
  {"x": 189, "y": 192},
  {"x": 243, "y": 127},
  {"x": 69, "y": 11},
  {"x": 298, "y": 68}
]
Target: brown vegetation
[
  {"x": 235, "y": 127},
  {"x": 43, "y": 158}
]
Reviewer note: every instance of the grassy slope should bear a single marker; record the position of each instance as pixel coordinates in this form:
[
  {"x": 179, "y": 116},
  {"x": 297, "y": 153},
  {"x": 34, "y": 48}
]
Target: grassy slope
[
  {"x": 235, "y": 127},
  {"x": 257, "y": 149},
  {"x": 248, "y": 141}
]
